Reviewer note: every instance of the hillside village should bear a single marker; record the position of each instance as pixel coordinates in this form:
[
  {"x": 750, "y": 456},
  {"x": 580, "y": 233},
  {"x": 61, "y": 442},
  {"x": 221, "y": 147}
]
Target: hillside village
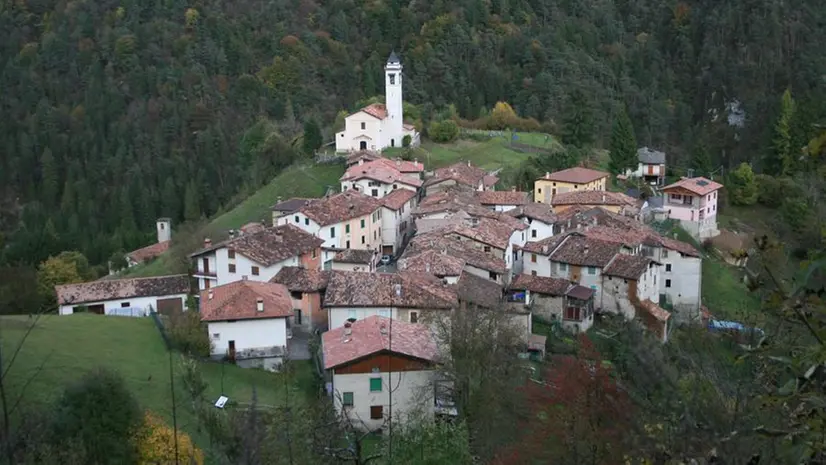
[{"x": 379, "y": 269}]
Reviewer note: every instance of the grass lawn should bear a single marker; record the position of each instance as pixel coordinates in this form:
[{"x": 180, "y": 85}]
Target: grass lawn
[
  {"x": 61, "y": 349},
  {"x": 724, "y": 292},
  {"x": 492, "y": 154}
]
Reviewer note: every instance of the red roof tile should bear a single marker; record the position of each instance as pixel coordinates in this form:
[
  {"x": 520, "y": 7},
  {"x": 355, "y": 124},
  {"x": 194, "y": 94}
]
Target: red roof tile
[
  {"x": 271, "y": 245},
  {"x": 584, "y": 251},
  {"x": 110, "y": 289},
  {"x": 455, "y": 248},
  {"x": 403, "y": 165},
  {"x": 379, "y": 170},
  {"x": 340, "y": 207},
  {"x": 502, "y": 197},
  {"x": 479, "y": 291},
  {"x": 486, "y": 231},
  {"x": 398, "y": 198},
  {"x": 239, "y": 301},
  {"x": 593, "y": 198},
  {"x": 545, "y": 246},
  {"x": 377, "y": 110},
  {"x": 366, "y": 155},
  {"x": 627, "y": 266},
  {"x": 577, "y": 175},
  {"x": 699, "y": 186},
  {"x": 355, "y": 289},
  {"x": 374, "y": 335},
  {"x": 655, "y": 310},
  {"x": 463, "y": 173},
  {"x": 535, "y": 211},
  {"x": 302, "y": 279},
  {"x": 358, "y": 256},
  {"x": 149, "y": 252},
  {"x": 541, "y": 284},
  {"x": 435, "y": 262}
]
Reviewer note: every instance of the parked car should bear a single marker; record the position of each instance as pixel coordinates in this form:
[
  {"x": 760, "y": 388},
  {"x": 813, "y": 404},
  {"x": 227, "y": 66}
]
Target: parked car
[{"x": 386, "y": 259}]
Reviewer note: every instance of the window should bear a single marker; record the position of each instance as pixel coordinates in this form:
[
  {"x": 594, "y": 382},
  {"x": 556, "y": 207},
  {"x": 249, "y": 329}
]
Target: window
[
  {"x": 487, "y": 248},
  {"x": 332, "y": 232},
  {"x": 376, "y": 412},
  {"x": 362, "y": 223},
  {"x": 533, "y": 258},
  {"x": 668, "y": 267},
  {"x": 493, "y": 275},
  {"x": 216, "y": 335},
  {"x": 307, "y": 221},
  {"x": 347, "y": 399},
  {"x": 374, "y": 192},
  {"x": 255, "y": 271},
  {"x": 395, "y": 186},
  {"x": 533, "y": 232},
  {"x": 347, "y": 245},
  {"x": 392, "y": 79},
  {"x": 533, "y": 273},
  {"x": 392, "y": 142},
  {"x": 414, "y": 317},
  {"x": 572, "y": 313},
  {"x": 295, "y": 218},
  {"x": 667, "y": 283},
  {"x": 665, "y": 253},
  {"x": 374, "y": 235},
  {"x": 124, "y": 305},
  {"x": 592, "y": 270},
  {"x": 231, "y": 253},
  {"x": 554, "y": 184},
  {"x": 563, "y": 267},
  {"x": 384, "y": 312},
  {"x": 363, "y": 239},
  {"x": 363, "y": 126},
  {"x": 315, "y": 253},
  {"x": 375, "y": 384},
  {"x": 347, "y": 229},
  {"x": 296, "y": 295},
  {"x": 539, "y": 191},
  {"x": 231, "y": 267}
]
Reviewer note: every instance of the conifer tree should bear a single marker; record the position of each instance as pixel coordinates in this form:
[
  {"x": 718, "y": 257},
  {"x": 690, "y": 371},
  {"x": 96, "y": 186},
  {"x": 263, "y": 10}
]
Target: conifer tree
[
  {"x": 49, "y": 178},
  {"x": 192, "y": 205},
  {"x": 312, "y": 137},
  {"x": 781, "y": 160},
  {"x": 578, "y": 123},
  {"x": 623, "y": 144},
  {"x": 701, "y": 159}
]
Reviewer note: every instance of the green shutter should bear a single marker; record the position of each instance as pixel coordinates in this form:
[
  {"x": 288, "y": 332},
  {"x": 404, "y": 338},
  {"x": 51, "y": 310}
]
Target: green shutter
[
  {"x": 347, "y": 398},
  {"x": 375, "y": 384},
  {"x": 347, "y": 229},
  {"x": 362, "y": 223}
]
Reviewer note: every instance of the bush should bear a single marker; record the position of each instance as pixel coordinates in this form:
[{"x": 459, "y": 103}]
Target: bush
[
  {"x": 771, "y": 191},
  {"x": 443, "y": 131},
  {"x": 156, "y": 443},
  {"x": 406, "y": 141},
  {"x": 742, "y": 186},
  {"x": 188, "y": 334},
  {"x": 796, "y": 212}
]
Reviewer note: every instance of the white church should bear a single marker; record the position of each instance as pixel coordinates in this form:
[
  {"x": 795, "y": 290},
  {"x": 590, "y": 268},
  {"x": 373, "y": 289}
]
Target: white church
[{"x": 378, "y": 126}]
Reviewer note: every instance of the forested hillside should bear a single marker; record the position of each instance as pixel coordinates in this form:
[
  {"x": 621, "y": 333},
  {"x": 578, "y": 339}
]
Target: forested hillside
[{"x": 115, "y": 113}]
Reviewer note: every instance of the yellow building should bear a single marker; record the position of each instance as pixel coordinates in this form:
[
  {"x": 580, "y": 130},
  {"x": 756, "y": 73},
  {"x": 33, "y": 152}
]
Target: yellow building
[{"x": 570, "y": 180}]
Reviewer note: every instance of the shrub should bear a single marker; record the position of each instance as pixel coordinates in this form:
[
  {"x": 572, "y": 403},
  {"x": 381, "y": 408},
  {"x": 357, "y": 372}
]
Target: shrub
[
  {"x": 742, "y": 186},
  {"x": 795, "y": 211},
  {"x": 771, "y": 190},
  {"x": 188, "y": 334},
  {"x": 156, "y": 444},
  {"x": 443, "y": 131},
  {"x": 406, "y": 141}
]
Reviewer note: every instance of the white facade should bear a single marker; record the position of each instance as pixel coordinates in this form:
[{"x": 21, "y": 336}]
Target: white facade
[
  {"x": 375, "y": 188},
  {"x": 395, "y": 224},
  {"x": 589, "y": 276},
  {"x": 615, "y": 296},
  {"x": 360, "y": 267},
  {"x": 164, "y": 228},
  {"x": 538, "y": 230},
  {"x": 646, "y": 169},
  {"x": 220, "y": 273},
  {"x": 681, "y": 278},
  {"x": 412, "y": 393},
  {"x": 536, "y": 264},
  {"x": 135, "y": 306},
  {"x": 346, "y": 234},
  {"x": 257, "y": 333}
]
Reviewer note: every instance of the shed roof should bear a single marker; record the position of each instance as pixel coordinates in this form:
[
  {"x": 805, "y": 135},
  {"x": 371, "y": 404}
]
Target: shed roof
[{"x": 115, "y": 289}]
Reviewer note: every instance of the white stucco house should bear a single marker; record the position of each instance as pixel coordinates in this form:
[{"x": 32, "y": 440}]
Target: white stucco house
[
  {"x": 540, "y": 220},
  {"x": 248, "y": 322},
  {"x": 651, "y": 166},
  {"x": 381, "y": 177},
  {"x": 125, "y": 297},
  {"x": 378, "y": 371},
  {"x": 378, "y": 126},
  {"x": 397, "y": 225}
]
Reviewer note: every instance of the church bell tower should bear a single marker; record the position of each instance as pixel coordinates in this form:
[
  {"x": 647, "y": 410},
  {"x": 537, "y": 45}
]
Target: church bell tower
[{"x": 393, "y": 100}]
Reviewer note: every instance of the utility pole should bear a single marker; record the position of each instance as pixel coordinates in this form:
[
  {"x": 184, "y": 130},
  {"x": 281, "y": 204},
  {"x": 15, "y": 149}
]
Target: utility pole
[{"x": 174, "y": 411}]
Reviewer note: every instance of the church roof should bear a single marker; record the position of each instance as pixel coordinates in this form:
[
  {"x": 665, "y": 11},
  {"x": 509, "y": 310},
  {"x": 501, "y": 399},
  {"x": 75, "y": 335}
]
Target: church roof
[
  {"x": 393, "y": 58},
  {"x": 377, "y": 110}
]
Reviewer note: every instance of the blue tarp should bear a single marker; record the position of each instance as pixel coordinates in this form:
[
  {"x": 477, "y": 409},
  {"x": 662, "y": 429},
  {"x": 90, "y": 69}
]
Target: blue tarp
[{"x": 718, "y": 324}]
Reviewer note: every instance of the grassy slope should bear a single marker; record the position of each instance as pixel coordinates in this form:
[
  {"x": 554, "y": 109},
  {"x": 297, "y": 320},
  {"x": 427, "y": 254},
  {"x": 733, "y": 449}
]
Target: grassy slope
[{"x": 68, "y": 346}]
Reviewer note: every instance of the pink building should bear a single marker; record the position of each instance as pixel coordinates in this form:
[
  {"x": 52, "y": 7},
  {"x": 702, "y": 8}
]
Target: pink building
[{"x": 693, "y": 202}]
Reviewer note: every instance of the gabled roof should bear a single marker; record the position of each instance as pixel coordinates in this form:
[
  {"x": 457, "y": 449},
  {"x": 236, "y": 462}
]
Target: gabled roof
[
  {"x": 149, "y": 252},
  {"x": 340, "y": 207},
  {"x": 366, "y": 155},
  {"x": 112, "y": 289},
  {"x": 699, "y": 186},
  {"x": 545, "y": 246},
  {"x": 291, "y": 205},
  {"x": 502, "y": 197},
  {"x": 435, "y": 262},
  {"x": 239, "y": 301},
  {"x": 655, "y": 310},
  {"x": 455, "y": 248},
  {"x": 579, "y": 250},
  {"x": 462, "y": 173},
  {"x": 577, "y": 175},
  {"x": 376, "y": 110},
  {"x": 398, "y": 198},
  {"x": 541, "y": 284},
  {"x": 373, "y": 335},
  {"x": 651, "y": 156},
  {"x": 300, "y": 279},
  {"x": 379, "y": 170},
  {"x": 270, "y": 245},
  {"x": 627, "y": 266},
  {"x": 535, "y": 211},
  {"x": 486, "y": 231},
  {"x": 478, "y": 291},
  {"x": 417, "y": 290},
  {"x": 403, "y": 166},
  {"x": 593, "y": 198},
  {"x": 358, "y": 256}
]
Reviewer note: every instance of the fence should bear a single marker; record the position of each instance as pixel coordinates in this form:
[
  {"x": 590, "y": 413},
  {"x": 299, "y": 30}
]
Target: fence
[
  {"x": 161, "y": 329},
  {"x": 330, "y": 158},
  {"x": 133, "y": 312}
]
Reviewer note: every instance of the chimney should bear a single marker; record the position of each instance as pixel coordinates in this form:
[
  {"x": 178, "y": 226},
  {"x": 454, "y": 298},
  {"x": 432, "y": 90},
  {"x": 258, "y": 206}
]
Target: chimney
[
  {"x": 398, "y": 289},
  {"x": 603, "y": 198},
  {"x": 348, "y": 328},
  {"x": 232, "y": 234},
  {"x": 427, "y": 267},
  {"x": 279, "y": 235},
  {"x": 210, "y": 294},
  {"x": 244, "y": 278},
  {"x": 259, "y": 304},
  {"x": 383, "y": 328},
  {"x": 416, "y": 162},
  {"x": 513, "y": 189},
  {"x": 585, "y": 251},
  {"x": 547, "y": 174},
  {"x": 361, "y": 161},
  {"x": 207, "y": 242},
  {"x": 545, "y": 250},
  {"x": 398, "y": 162},
  {"x": 351, "y": 206},
  {"x": 468, "y": 163}
]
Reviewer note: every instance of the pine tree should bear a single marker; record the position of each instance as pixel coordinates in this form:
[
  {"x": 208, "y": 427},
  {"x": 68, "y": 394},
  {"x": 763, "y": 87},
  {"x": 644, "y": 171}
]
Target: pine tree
[
  {"x": 782, "y": 160},
  {"x": 701, "y": 159},
  {"x": 578, "y": 122},
  {"x": 192, "y": 205},
  {"x": 49, "y": 179},
  {"x": 170, "y": 200},
  {"x": 312, "y": 137},
  {"x": 623, "y": 144}
]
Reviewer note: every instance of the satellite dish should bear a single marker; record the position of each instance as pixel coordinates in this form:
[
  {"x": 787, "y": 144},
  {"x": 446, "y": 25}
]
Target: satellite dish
[{"x": 222, "y": 401}]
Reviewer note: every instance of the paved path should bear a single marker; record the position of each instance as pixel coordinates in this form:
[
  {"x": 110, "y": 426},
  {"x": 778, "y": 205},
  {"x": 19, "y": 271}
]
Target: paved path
[{"x": 299, "y": 345}]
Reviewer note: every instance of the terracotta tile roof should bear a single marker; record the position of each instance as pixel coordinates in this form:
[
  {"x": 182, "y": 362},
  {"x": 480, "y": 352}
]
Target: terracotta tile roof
[
  {"x": 541, "y": 284},
  {"x": 435, "y": 262},
  {"x": 239, "y": 301},
  {"x": 502, "y": 197},
  {"x": 455, "y": 248},
  {"x": 403, "y": 166},
  {"x": 377, "y": 110},
  {"x": 629, "y": 237},
  {"x": 486, "y": 231},
  {"x": 398, "y": 198},
  {"x": 535, "y": 211},
  {"x": 300, "y": 279},
  {"x": 149, "y": 252},
  {"x": 360, "y": 256},
  {"x": 627, "y": 266},
  {"x": 478, "y": 291},
  {"x": 462, "y": 173},
  {"x": 577, "y": 175},
  {"x": 367, "y": 155},
  {"x": 490, "y": 180},
  {"x": 111, "y": 289},
  {"x": 367, "y": 338},
  {"x": 655, "y": 310},
  {"x": 545, "y": 246},
  {"x": 409, "y": 127},
  {"x": 252, "y": 227},
  {"x": 291, "y": 205},
  {"x": 271, "y": 245},
  {"x": 379, "y": 170},
  {"x": 679, "y": 246},
  {"x": 579, "y": 250},
  {"x": 354, "y": 289},
  {"x": 581, "y": 292},
  {"x": 699, "y": 186},
  {"x": 340, "y": 207},
  {"x": 593, "y": 198}
]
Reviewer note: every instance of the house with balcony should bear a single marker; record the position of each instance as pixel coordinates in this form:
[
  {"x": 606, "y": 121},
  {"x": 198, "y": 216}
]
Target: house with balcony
[
  {"x": 651, "y": 167},
  {"x": 693, "y": 202},
  {"x": 554, "y": 300},
  {"x": 258, "y": 256}
]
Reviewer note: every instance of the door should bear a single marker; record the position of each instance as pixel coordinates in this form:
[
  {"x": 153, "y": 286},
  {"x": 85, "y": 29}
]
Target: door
[
  {"x": 297, "y": 317},
  {"x": 363, "y": 145},
  {"x": 231, "y": 351},
  {"x": 206, "y": 265},
  {"x": 387, "y": 250},
  {"x": 169, "y": 306}
]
